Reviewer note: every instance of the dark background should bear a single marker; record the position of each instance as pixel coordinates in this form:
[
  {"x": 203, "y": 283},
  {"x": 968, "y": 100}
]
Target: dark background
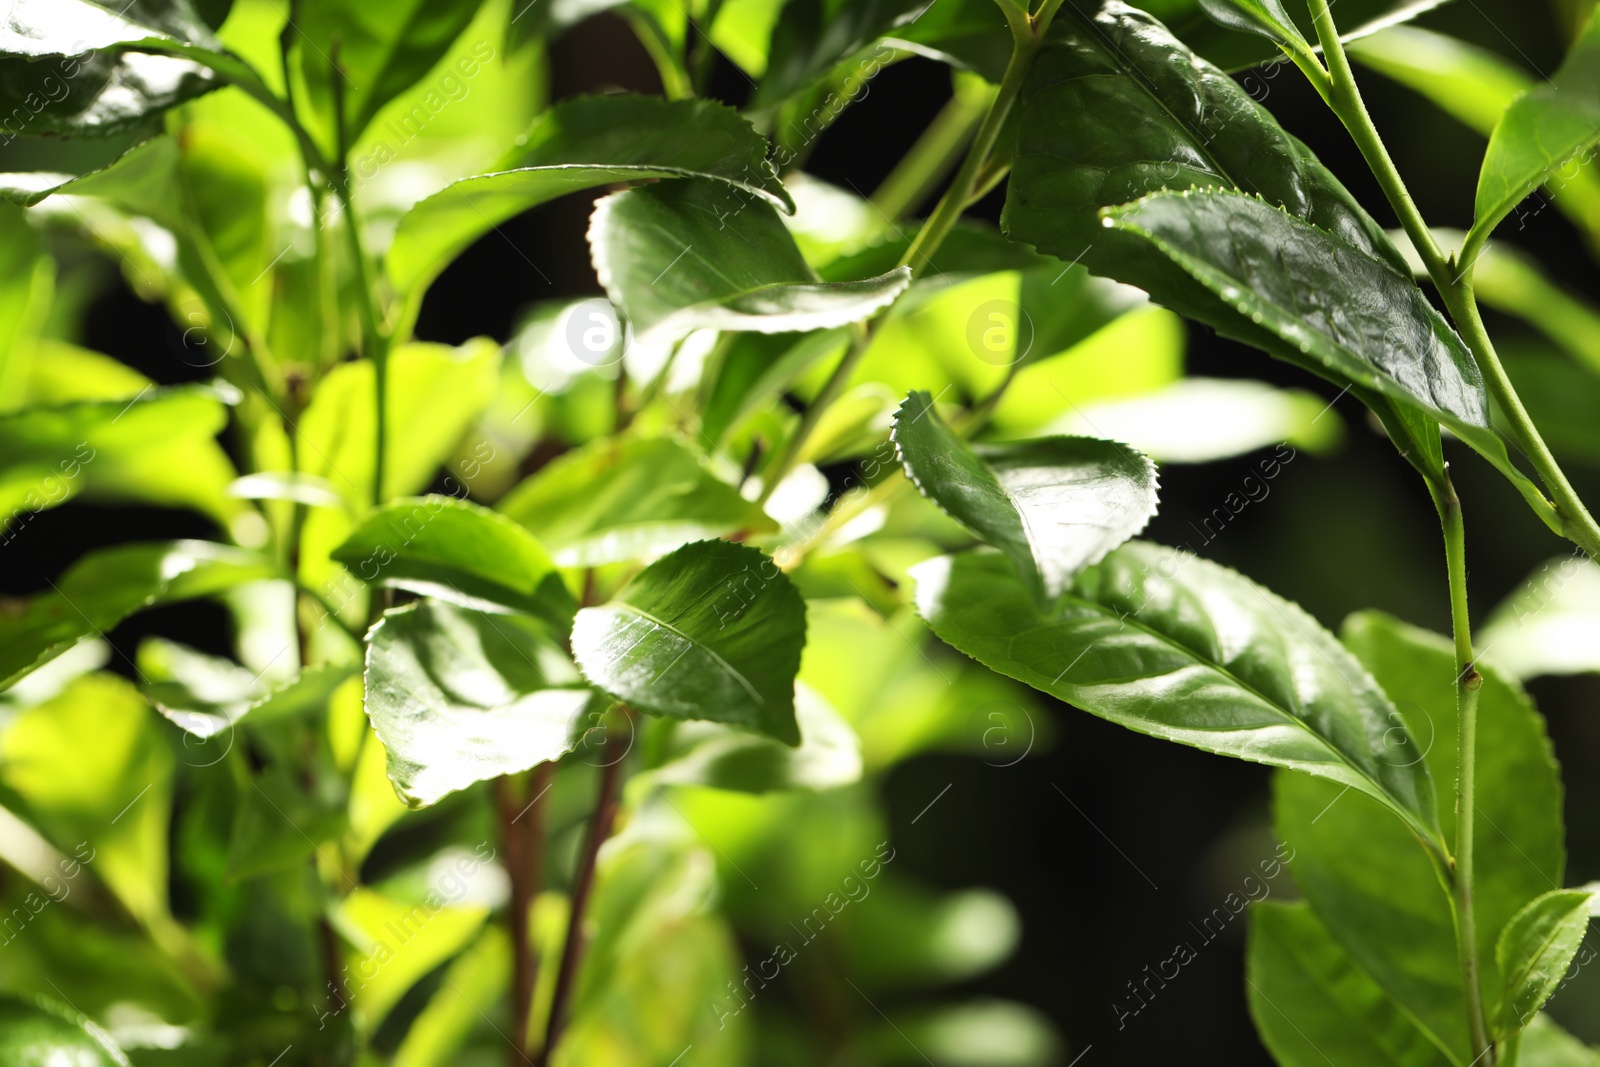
[{"x": 1154, "y": 835}]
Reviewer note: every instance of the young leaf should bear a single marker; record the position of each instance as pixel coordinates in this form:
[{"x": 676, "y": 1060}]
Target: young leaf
[
  {"x": 1179, "y": 648},
  {"x": 456, "y": 551},
  {"x": 1053, "y": 505},
  {"x": 681, "y": 256},
  {"x": 1535, "y": 950},
  {"x": 1539, "y": 132},
  {"x": 580, "y": 144},
  {"x": 38, "y": 1032},
  {"x": 1314, "y": 1006},
  {"x": 712, "y": 631},
  {"x": 1264, "y": 17},
  {"x": 1551, "y": 625},
  {"x": 631, "y": 498},
  {"x": 716, "y": 756},
  {"x": 1371, "y": 883},
  {"x": 459, "y": 696},
  {"x": 106, "y": 586}
]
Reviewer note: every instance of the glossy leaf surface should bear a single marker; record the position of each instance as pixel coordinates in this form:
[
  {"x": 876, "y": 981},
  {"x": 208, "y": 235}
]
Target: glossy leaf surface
[
  {"x": 1536, "y": 948},
  {"x": 1053, "y": 505},
  {"x": 1179, "y": 648},
  {"x": 1368, "y": 879},
  {"x": 711, "y": 631},
  {"x": 459, "y": 696}
]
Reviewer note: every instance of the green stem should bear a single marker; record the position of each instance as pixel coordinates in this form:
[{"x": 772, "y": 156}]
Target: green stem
[
  {"x": 1454, "y": 285},
  {"x": 1028, "y": 33},
  {"x": 373, "y": 343},
  {"x": 1468, "y": 680},
  {"x": 935, "y": 152}
]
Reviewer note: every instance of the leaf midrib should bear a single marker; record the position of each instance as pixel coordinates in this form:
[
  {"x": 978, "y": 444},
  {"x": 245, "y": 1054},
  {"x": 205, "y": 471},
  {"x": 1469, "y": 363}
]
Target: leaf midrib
[{"x": 716, "y": 657}]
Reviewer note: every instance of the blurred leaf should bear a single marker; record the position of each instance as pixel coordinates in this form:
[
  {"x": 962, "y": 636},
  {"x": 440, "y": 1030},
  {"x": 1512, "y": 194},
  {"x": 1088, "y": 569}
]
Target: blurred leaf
[
  {"x": 1314, "y": 1006},
  {"x": 712, "y": 631},
  {"x": 459, "y": 696},
  {"x": 36, "y": 1033},
  {"x": 1213, "y": 661},
  {"x": 107, "y": 803},
  {"x": 969, "y": 34},
  {"x": 407, "y": 941},
  {"x": 1545, "y": 1044},
  {"x": 812, "y": 37},
  {"x": 681, "y": 256},
  {"x": 628, "y": 498},
  {"x": 580, "y": 144},
  {"x": 64, "y": 374},
  {"x": 157, "y": 448},
  {"x": 478, "y": 976},
  {"x": 1550, "y": 625},
  {"x": 897, "y": 936},
  {"x": 1476, "y": 86},
  {"x": 1371, "y": 884},
  {"x": 277, "y": 824},
  {"x": 1054, "y": 505},
  {"x": 713, "y": 755},
  {"x": 1539, "y": 132},
  {"x": 1536, "y": 948},
  {"x": 378, "y": 52},
  {"x": 107, "y": 585},
  {"x": 27, "y": 281},
  {"x": 1200, "y": 420},
  {"x": 979, "y": 1033},
  {"x": 458, "y": 552}
]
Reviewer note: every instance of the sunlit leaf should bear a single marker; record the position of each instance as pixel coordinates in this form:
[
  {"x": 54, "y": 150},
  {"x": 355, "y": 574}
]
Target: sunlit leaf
[
  {"x": 1053, "y": 505},
  {"x": 711, "y": 631},
  {"x": 1551, "y": 624},
  {"x": 1179, "y": 648},
  {"x": 459, "y": 696},
  {"x": 38, "y": 1032},
  {"x": 710, "y": 754}
]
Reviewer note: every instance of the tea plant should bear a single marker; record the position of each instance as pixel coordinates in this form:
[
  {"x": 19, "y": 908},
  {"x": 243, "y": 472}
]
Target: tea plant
[{"x": 550, "y": 609}]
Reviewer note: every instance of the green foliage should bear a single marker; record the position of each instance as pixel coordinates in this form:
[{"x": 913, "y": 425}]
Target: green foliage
[{"x": 561, "y": 681}]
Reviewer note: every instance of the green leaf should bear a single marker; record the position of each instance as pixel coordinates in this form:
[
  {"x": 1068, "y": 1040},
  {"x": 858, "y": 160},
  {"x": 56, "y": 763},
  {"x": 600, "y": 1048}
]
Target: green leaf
[
  {"x": 64, "y": 67},
  {"x": 1115, "y": 108},
  {"x": 37, "y": 1033},
  {"x": 580, "y": 144},
  {"x": 628, "y": 498},
  {"x": 277, "y": 824},
  {"x": 1315, "y": 1007},
  {"x": 206, "y": 696},
  {"x": 1053, "y": 505},
  {"x": 1550, "y": 625},
  {"x": 157, "y": 448},
  {"x": 1264, "y": 17},
  {"x": 1368, "y": 879},
  {"x": 95, "y": 776},
  {"x": 459, "y": 552},
  {"x": 459, "y": 696},
  {"x": 712, "y": 631},
  {"x": 1302, "y": 283},
  {"x": 1544, "y": 1044},
  {"x": 106, "y": 586},
  {"x": 1536, "y": 948},
  {"x": 682, "y": 256},
  {"x": 713, "y": 755},
  {"x": 812, "y": 37},
  {"x": 381, "y": 51},
  {"x": 1174, "y": 646},
  {"x": 1539, "y": 132}
]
